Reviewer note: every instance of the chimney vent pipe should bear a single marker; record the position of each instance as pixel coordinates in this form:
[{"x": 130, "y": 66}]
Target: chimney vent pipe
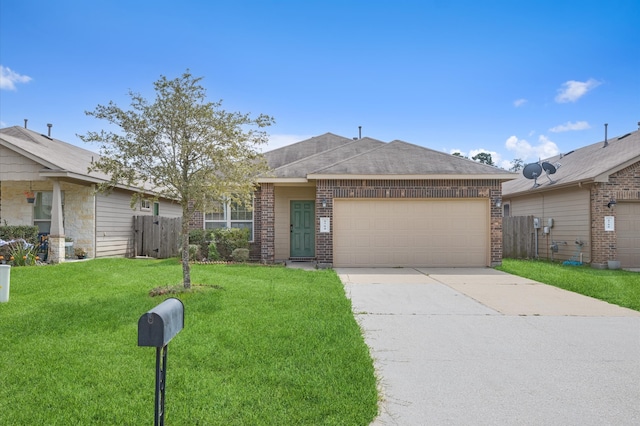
[
  {"x": 49, "y": 125},
  {"x": 359, "y": 132},
  {"x": 25, "y": 122},
  {"x": 606, "y": 142}
]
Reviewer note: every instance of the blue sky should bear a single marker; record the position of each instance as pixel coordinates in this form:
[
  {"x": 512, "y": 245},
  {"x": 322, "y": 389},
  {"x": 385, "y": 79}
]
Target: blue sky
[{"x": 517, "y": 79}]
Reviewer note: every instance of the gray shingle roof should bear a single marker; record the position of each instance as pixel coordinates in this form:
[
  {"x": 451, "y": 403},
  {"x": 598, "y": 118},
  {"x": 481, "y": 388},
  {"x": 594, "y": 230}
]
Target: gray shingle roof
[
  {"x": 328, "y": 155},
  {"x": 592, "y": 163},
  {"x": 53, "y": 154}
]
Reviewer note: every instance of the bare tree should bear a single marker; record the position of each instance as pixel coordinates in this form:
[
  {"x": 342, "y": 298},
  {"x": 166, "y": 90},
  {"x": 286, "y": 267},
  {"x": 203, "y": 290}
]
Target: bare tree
[{"x": 182, "y": 147}]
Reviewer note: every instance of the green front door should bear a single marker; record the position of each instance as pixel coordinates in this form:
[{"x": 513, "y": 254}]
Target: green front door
[{"x": 303, "y": 229}]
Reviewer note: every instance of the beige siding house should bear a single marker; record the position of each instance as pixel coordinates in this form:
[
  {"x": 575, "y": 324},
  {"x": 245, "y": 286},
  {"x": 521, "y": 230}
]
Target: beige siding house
[
  {"x": 589, "y": 208},
  {"x": 364, "y": 202},
  {"x": 65, "y": 203}
]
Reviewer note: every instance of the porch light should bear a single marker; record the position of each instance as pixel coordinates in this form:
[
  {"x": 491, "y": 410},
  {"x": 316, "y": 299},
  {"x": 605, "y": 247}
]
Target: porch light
[
  {"x": 499, "y": 203},
  {"x": 611, "y": 203},
  {"x": 324, "y": 203}
]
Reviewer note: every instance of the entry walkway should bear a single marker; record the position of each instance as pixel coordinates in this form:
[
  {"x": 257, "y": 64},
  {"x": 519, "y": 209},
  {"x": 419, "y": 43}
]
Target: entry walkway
[{"x": 482, "y": 347}]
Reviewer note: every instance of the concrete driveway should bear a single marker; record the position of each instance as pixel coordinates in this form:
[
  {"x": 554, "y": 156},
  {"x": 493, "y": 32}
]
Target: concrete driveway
[{"x": 481, "y": 347}]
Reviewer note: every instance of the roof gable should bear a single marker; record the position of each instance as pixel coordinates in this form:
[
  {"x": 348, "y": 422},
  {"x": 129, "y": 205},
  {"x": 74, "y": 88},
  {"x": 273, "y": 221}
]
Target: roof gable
[
  {"x": 592, "y": 163},
  {"x": 303, "y": 149},
  {"x": 51, "y": 153}
]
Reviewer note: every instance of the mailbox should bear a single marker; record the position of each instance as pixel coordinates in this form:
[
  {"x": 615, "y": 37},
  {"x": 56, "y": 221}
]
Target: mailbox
[{"x": 158, "y": 326}]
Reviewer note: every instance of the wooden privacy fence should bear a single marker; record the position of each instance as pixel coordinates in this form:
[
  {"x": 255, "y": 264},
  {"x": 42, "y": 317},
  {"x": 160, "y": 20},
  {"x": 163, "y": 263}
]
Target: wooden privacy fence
[
  {"x": 157, "y": 236},
  {"x": 518, "y": 237}
]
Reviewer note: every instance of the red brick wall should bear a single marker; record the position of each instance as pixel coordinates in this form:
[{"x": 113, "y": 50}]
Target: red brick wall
[{"x": 623, "y": 185}]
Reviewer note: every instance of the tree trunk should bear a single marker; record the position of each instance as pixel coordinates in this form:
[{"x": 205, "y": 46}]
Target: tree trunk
[{"x": 186, "y": 271}]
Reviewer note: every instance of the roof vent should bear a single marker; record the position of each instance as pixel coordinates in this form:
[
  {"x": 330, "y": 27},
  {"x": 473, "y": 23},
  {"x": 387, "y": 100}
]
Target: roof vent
[
  {"x": 49, "y": 125},
  {"x": 606, "y": 142},
  {"x": 25, "y": 122},
  {"x": 623, "y": 136}
]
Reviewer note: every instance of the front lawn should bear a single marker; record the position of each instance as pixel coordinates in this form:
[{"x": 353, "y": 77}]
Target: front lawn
[
  {"x": 260, "y": 346},
  {"x": 614, "y": 286}
]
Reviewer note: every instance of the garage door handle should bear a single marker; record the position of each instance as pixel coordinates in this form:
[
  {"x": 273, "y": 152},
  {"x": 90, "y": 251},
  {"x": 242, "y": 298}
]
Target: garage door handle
[{"x": 291, "y": 227}]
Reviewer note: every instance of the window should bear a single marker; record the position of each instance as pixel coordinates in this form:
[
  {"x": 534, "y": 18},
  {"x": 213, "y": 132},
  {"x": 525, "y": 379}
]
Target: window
[
  {"x": 506, "y": 211},
  {"x": 42, "y": 210},
  {"x": 229, "y": 215},
  {"x": 145, "y": 205}
]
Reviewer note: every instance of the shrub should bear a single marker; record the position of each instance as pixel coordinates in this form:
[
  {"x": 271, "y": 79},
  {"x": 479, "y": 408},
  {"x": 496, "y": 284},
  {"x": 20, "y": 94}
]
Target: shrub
[
  {"x": 229, "y": 239},
  {"x": 240, "y": 255},
  {"x": 27, "y": 233},
  {"x": 213, "y": 251},
  {"x": 194, "y": 252}
]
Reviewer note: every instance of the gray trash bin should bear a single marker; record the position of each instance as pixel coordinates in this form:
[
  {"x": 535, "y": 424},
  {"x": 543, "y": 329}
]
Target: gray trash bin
[{"x": 5, "y": 278}]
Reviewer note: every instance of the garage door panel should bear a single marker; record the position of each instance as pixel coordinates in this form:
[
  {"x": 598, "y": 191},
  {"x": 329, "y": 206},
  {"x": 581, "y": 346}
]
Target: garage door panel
[
  {"x": 628, "y": 234},
  {"x": 411, "y": 232}
]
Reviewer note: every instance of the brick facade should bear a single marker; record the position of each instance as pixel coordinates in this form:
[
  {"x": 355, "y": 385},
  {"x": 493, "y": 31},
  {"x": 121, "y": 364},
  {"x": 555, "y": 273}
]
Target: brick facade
[
  {"x": 263, "y": 246},
  {"x": 623, "y": 185}
]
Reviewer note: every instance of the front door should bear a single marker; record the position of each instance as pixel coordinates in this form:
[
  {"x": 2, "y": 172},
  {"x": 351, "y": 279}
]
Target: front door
[{"x": 303, "y": 229}]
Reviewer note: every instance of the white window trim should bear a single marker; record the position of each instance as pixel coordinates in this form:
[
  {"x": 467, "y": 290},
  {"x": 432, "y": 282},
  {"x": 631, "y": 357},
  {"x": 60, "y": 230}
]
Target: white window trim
[
  {"x": 227, "y": 219},
  {"x": 145, "y": 205}
]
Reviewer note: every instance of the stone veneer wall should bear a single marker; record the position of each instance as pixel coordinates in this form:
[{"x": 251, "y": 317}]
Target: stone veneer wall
[
  {"x": 623, "y": 185},
  {"x": 398, "y": 189},
  {"x": 78, "y": 209}
]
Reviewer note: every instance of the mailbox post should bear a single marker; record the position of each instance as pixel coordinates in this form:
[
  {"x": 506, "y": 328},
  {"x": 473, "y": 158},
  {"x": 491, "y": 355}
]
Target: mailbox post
[{"x": 156, "y": 328}]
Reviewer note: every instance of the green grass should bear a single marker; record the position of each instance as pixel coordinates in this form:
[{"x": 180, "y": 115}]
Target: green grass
[
  {"x": 269, "y": 346},
  {"x": 614, "y": 286}
]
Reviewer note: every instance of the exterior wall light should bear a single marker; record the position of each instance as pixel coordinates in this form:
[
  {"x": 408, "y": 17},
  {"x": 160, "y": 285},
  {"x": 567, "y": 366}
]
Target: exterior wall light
[{"x": 611, "y": 203}]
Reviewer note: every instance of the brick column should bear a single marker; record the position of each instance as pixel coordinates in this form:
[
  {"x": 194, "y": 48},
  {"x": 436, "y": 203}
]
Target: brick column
[
  {"x": 603, "y": 243},
  {"x": 267, "y": 223},
  {"x": 496, "y": 225},
  {"x": 324, "y": 240}
]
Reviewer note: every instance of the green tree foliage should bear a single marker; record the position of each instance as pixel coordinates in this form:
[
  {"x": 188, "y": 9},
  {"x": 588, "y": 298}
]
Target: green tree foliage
[
  {"x": 484, "y": 158},
  {"x": 180, "y": 146},
  {"x": 516, "y": 165}
]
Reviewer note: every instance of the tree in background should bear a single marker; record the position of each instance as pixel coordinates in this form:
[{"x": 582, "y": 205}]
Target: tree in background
[
  {"x": 484, "y": 158},
  {"x": 182, "y": 147},
  {"x": 516, "y": 165}
]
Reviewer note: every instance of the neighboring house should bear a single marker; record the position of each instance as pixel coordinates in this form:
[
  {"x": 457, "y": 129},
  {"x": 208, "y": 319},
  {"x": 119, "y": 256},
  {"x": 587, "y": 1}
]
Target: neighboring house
[
  {"x": 365, "y": 203},
  {"x": 594, "y": 200},
  {"x": 66, "y": 203}
]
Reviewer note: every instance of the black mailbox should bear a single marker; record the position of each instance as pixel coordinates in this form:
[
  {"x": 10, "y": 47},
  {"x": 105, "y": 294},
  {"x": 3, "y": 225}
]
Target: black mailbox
[{"x": 158, "y": 326}]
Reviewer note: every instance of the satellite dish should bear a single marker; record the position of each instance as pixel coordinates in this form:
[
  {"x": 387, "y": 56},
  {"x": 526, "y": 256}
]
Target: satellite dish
[
  {"x": 532, "y": 171},
  {"x": 549, "y": 168}
]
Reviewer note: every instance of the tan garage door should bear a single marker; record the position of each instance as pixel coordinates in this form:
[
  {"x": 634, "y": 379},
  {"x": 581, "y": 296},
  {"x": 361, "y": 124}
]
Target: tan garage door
[
  {"x": 628, "y": 234},
  {"x": 441, "y": 233}
]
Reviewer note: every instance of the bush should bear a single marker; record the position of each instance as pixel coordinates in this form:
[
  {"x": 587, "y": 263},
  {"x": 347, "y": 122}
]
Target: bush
[
  {"x": 199, "y": 237},
  {"x": 194, "y": 252},
  {"x": 240, "y": 255},
  {"x": 213, "y": 251},
  {"x": 27, "y": 233},
  {"x": 229, "y": 239}
]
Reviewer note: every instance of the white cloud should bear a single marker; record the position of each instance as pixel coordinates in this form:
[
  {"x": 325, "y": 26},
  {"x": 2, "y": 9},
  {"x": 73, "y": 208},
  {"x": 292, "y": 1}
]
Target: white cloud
[
  {"x": 278, "y": 141},
  {"x": 522, "y": 149},
  {"x": 519, "y": 102},
  {"x": 578, "y": 125},
  {"x": 573, "y": 90},
  {"x": 9, "y": 78}
]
